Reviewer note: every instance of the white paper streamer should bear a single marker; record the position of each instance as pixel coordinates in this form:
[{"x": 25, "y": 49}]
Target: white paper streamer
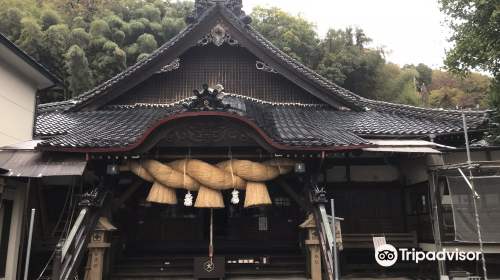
[
  {"x": 235, "y": 199},
  {"x": 188, "y": 199}
]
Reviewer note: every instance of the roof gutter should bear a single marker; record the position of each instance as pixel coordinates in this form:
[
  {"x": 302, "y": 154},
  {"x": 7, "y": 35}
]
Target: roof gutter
[{"x": 398, "y": 136}]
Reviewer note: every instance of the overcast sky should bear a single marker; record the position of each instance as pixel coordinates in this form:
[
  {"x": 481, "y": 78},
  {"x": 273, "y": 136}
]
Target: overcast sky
[{"x": 411, "y": 29}]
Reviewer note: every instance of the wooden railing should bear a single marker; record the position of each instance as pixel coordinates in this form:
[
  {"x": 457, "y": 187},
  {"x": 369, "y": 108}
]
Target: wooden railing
[
  {"x": 365, "y": 241},
  {"x": 68, "y": 256},
  {"x": 324, "y": 231}
]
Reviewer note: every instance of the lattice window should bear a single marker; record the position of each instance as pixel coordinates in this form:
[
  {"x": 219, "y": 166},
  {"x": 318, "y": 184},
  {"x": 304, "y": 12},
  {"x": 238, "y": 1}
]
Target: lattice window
[
  {"x": 232, "y": 67},
  {"x": 282, "y": 201}
]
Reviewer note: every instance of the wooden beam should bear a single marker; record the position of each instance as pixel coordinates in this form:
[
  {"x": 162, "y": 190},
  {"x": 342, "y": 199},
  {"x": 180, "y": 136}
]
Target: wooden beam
[
  {"x": 118, "y": 202},
  {"x": 292, "y": 193}
]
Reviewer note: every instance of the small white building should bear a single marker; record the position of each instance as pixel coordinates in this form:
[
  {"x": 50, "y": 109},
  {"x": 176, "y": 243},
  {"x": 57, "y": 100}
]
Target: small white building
[{"x": 21, "y": 77}]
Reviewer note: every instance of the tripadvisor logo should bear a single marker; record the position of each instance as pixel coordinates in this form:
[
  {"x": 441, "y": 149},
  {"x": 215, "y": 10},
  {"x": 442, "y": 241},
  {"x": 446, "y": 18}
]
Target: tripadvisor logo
[{"x": 386, "y": 255}]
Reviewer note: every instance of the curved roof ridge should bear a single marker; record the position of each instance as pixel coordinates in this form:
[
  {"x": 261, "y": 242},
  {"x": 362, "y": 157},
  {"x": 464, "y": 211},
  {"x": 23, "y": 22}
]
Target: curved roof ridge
[{"x": 344, "y": 93}]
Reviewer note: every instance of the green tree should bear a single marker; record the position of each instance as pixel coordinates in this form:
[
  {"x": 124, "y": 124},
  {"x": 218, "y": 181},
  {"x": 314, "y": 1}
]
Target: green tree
[
  {"x": 100, "y": 28},
  {"x": 10, "y": 22},
  {"x": 80, "y": 78},
  {"x": 50, "y": 18},
  {"x": 79, "y": 22},
  {"x": 110, "y": 62},
  {"x": 137, "y": 29},
  {"x": 146, "y": 44},
  {"x": 446, "y": 98},
  {"x": 475, "y": 27},
  {"x": 141, "y": 56},
  {"x": 425, "y": 73},
  {"x": 160, "y": 5},
  {"x": 132, "y": 52},
  {"x": 474, "y": 88},
  {"x": 31, "y": 40},
  {"x": 292, "y": 34},
  {"x": 348, "y": 62},
  {"x": 79, "y": 37},
  {"x": 172, "y": 26},
  {"x": 149, "y": 12},
  {"x": 56, "y": 44}
]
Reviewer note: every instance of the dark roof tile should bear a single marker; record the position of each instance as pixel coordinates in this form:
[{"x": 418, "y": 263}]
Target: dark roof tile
[{"x": 293, "y": 125}]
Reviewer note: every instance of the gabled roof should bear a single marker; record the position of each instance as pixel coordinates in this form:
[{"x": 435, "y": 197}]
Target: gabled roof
[
  {"x": 202, "y": 20},
  {"x": 85, "y": 122},
  {"x": 22, "y": 60}
]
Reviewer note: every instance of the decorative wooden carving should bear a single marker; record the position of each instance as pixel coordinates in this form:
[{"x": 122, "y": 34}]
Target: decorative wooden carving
[
  {"x": 169, "y": 67},
  {"x": 206, "y": 134},
  {"x": 234, "y": 67},
  {"x": 264, "y": 67},
  {"x": 318, "y": 195},
  {"x": 232, "y": 7},
  {"x": 206, "y": 101},
  {"x": 218, "y": 35}
]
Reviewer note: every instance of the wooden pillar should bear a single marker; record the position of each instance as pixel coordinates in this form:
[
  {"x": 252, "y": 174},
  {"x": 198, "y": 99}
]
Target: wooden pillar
[
  {"x": 97, "y": 249},
  {"x": 313, "y": 249}
]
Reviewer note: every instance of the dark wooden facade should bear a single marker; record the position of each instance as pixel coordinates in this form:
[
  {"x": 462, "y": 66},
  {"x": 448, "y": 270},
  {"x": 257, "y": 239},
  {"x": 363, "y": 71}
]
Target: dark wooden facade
[{"x": 233, "y": 67}]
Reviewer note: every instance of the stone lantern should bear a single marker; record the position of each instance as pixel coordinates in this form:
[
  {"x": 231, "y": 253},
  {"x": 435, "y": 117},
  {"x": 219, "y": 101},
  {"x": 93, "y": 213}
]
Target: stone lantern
[
  {"x": 312, "y": 243},
  {"x": 97, "y": 248}
]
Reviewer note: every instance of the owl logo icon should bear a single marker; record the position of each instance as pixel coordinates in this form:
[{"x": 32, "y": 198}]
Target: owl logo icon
[{"x": 386, "y": 255}]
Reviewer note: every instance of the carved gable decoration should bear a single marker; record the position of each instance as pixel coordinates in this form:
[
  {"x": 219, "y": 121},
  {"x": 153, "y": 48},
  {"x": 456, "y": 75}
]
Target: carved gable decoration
[
  {"x": 206, "y": 101},
  {"x": 218, "y": 35},
  {"x": 169, "y": 67},
  {"x": 206, "y": 134}
]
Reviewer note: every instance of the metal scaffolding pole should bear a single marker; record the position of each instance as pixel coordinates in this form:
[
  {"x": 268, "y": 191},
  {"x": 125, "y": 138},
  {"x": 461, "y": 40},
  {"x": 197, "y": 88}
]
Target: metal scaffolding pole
[
  {"x": 475, "y": 196},
  {"x": 434, "y": 192}
]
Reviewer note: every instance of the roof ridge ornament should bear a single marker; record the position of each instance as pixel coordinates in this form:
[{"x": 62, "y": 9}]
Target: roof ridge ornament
[
  {"x": 233, "y": 6},
  {"x": 206, "y": 100}
]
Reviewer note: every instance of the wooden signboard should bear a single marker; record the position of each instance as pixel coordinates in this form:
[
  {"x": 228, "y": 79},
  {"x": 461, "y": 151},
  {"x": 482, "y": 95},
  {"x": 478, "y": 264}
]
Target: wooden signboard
[
  {"x": 203, "y": 268},
  {"x": 378, "y": 241}
]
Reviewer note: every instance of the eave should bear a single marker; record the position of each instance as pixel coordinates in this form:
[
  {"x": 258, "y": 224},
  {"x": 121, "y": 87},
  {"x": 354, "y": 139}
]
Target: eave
[{"x": 246, "y": 121}]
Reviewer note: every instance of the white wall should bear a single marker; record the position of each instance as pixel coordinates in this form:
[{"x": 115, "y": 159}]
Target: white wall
[
  {"x": 16, "y": 194},
  {"x": 17, "y": 105},
  {"x": 415, "y": 169}
]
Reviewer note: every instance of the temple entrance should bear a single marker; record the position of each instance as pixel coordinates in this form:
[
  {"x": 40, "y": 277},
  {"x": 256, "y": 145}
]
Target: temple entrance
[{"x": 163, "y": 240}]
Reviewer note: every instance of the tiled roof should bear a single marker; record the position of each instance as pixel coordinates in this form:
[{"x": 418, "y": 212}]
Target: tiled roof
[
  {"x": 285, "y": 124},
  {"x": 292, "y": 125},
  {"x": 347, "y": 96}
]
